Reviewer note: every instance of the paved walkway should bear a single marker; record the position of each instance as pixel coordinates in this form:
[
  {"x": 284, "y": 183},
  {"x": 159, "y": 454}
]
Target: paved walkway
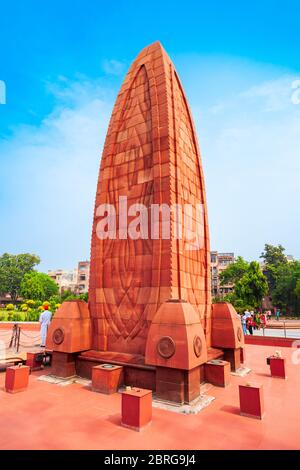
[
  {"x": 49, "y": 416},
  {"x": 29, "y": 341},
  {"x": 288, "y": 333},
  {"x": 284, "y": 324}
]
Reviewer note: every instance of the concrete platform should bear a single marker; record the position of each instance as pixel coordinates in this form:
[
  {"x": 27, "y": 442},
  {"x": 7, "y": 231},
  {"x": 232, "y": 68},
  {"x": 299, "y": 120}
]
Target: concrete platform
[{"x": 48, "y": 416}]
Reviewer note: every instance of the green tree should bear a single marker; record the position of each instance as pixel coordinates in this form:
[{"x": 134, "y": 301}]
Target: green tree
[
  {"x": 274, "y": 258},
  {"x": 12, "y": 271},
  {"x": 252, "y": 286},
  {"x": 84, "y": 297},
  {"x": 234, "y": 272},
  {"x": 274, "y": 255},
  {"x": 297, "y": 289},
  {"x": 67, "y": 295},
  {"x": 286, "y": 293},
  {"x": 239, "y": 304},
  {"x": 38, "y": 286}
]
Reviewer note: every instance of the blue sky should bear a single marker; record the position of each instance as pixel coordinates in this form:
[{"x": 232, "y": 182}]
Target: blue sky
[{"x": 63, "y": 63}]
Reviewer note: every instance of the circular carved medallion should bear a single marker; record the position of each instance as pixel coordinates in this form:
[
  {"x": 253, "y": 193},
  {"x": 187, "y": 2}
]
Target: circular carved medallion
[
  {"x": 239, "y": 333},
  {"x": 166, "y": 347},
  {"x": 197, "y": 346},
  {"x": 58, "y": 336}
]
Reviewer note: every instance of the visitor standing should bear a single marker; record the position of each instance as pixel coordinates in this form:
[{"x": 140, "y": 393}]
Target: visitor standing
[
  {"x": 244, "y": 323},
  {"x": 45, "y": 319},
  {"x": 250, "y": 324},
  {"x": 257, "y": 320},
  {"x": 277, "y": 314},
  {"x": 263, "y": 320},
  {"x": 247, "y": 313}
]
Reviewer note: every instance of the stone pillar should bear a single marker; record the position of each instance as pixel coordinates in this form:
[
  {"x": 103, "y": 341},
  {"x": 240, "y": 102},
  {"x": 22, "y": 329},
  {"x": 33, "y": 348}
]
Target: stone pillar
[
  {"x": 69, "y": 334},
  {"x": 136, "y": 408},
  {"x": 192, "y": 384},
  {"x": 176, "y": 345},
  {"x": 251, "y": 400},
  {"x": 16, "y": 379},
  {"x": 106, "y": 378},
  {"x": 227, "y": 333},
  {"x": 234, "y": 357},
  {"x": 217, "y": 372},
  {"x": 63, "y": 364}
]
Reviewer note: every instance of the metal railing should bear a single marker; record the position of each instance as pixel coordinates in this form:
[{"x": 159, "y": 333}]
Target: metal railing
[
  {"x": 15, "y": 337},
  {"x": 284, "y": 331}
]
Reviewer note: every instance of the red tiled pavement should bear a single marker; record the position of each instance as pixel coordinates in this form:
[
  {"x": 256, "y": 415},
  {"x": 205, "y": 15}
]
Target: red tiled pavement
[{"x": 48, "y": 416}]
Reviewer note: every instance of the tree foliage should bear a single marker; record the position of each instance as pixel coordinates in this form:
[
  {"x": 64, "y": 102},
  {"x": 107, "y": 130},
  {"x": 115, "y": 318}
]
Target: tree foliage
[
  {"x": 252, "y": 286},
  {"x": 274, "y": 259},
  {"x": 38, "y": 286},
  {"x": 234, "y": 272},
  {"x": 274, "y": 255},
  {"x": 13, "y": 268},
  {"x": 286, "y": 292},
  {"x": 68, "y": 295},
  {"x": 297, "y": 290},
  {"x": 239, "y": 304}
]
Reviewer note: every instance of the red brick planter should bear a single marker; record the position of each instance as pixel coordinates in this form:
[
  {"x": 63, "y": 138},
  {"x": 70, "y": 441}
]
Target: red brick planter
[
  {"x": 251, "y": 401},
  {"x": 106, "y": 378},
  {"x": 16, "y": 379},
  {"x": 277, "y": 366},
  {"x": 136, "y": 408},
  {"x": 217, "y": 372}
]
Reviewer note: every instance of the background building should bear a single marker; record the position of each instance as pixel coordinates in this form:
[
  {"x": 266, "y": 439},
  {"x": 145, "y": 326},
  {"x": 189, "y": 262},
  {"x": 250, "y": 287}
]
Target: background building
[
  {"x": 83, "y": 277},
  {"x": 76, "y": 280},
  {"x": 65, "y": 280},
  {"x": 219, "y": 262}
]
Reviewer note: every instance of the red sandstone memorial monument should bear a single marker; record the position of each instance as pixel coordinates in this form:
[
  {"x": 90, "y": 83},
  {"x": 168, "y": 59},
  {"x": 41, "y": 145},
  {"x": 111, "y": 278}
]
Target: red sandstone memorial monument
[{"x": 150, "y": 307}]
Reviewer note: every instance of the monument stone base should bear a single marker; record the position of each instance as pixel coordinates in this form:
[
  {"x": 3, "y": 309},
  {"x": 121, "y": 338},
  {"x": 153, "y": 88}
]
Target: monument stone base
[
  {"x": 233, "y": 356},
  {"x": 63, "y": 364}
]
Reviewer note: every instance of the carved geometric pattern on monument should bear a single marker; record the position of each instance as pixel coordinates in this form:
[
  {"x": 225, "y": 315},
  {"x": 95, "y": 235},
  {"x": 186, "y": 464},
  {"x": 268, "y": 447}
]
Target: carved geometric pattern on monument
[
  {"x": 133, "y": 178},
  {"x": 150, "y": 155},
  {"x": 190, "y": 191}
]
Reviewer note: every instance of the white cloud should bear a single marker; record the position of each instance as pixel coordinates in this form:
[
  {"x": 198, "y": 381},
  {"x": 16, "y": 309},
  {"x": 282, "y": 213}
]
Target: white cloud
[
  {"x": 113, "y": 67},
  {"x": 275, "y": 95},
  {"x": 250, "y": 146},
  {"x": 51, "y": 174}
]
